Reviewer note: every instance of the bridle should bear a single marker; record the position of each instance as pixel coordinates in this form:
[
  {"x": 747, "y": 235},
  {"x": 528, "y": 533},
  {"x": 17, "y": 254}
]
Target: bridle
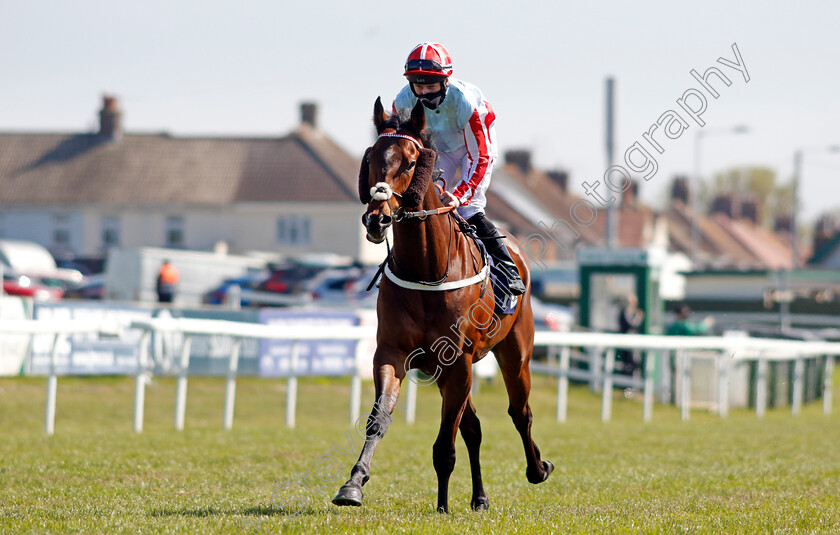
[
  {"x": 384, "y": 191},
  {"x": 399, "y": 213}
]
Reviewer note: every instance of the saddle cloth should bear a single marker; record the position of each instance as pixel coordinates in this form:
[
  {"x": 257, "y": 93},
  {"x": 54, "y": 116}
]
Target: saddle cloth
[{"x": 505, "y": 303}]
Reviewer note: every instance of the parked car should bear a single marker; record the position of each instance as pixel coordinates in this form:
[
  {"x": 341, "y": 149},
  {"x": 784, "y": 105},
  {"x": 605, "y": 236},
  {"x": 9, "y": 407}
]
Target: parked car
[
  {"x": 288, "y": 278},
  {"x": 92, "y": 287},
  {"x": 551, "y": 317},
  {"x": 30, "y": 286},
  {"x": 334, "y": 286},
  {"x": 219, "y": 294}
]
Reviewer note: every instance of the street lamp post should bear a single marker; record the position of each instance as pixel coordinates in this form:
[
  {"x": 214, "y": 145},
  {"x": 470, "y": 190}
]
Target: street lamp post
[{"x": 695, "y": 191}]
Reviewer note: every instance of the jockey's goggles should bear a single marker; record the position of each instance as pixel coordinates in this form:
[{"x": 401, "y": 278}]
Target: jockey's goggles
[{"x": 423, "y": 65}]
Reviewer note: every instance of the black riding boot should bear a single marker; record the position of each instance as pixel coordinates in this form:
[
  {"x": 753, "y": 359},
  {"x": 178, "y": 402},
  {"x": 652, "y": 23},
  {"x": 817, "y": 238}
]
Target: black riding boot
[{"x": 496, "y": 248}]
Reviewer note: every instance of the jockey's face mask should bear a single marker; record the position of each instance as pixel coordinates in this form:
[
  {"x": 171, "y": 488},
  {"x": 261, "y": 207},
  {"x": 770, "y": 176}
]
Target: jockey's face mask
[{"x": 433, "y": 99}]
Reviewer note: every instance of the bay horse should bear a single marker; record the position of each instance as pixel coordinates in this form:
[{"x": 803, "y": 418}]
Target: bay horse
[{"x": 441, "y": 333}]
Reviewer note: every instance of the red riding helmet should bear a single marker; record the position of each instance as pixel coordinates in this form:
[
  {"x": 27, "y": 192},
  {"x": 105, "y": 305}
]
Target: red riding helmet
[{"x": 428, "y": 63}]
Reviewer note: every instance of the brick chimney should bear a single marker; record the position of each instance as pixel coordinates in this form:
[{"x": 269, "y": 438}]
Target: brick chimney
[
  {"x": 782, "y": 223},
  {"x": 724, "y": 204},
  {"x": 630, "y": 195},
  {"x": 749, "y": 210},
  {"x": 680, "y": 190},
  {"x": 561, "y": 178},
  {"x": 309, "y": 114},
  {"x": 520, "y": 158},
  {"x": 110, "y": 119}
]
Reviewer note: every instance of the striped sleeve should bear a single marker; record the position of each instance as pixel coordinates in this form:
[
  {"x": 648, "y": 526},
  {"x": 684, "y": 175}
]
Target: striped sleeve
[{"x": 479, "y": 149}]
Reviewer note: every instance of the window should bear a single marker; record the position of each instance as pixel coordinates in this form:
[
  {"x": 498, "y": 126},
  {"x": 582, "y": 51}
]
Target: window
[
  {"x": 110, "y": 232},
  {"x": 175, "y": 232},
  {"x": 293, "y": 230},
  {"x": 61, "y": 231}
]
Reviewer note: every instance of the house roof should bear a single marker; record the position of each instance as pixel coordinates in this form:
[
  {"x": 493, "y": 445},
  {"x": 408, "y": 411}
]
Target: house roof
[{"x": 157, "y": 168}]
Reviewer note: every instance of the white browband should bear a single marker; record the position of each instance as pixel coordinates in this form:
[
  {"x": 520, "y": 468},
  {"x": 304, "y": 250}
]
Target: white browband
[{"x": 413, "y": 140}]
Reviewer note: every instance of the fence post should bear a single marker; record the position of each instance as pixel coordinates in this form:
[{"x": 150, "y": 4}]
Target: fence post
[
  {"x": 595, "y": 368},
  {"x": 723, "y": 360},
  {"x": 606, "y": 395},
  {"x": 181, "y": 390},
  {"x": 140, "y": 380},
  {"x": 291, "y": 386},
  {"x": 563, "y": 384},
  {"x": 230, "y": 387},
  {"x": 411, "y": 397},
  {"x": 761, "y": 387},
  {"x": 685, "y": 384},
  {"x": 828, "y": 383},
  {"x": 798, "y": 386},
  {"x": 52, "y": 386},
  {"x": 647, "y": 410}
]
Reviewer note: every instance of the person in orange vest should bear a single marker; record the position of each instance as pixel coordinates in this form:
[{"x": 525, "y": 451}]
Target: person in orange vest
[{"x": 167, "y": 282}]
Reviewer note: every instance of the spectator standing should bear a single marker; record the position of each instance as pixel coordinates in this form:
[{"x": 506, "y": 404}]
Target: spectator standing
[
  {"x": 683, "y": 327},
  {"x": 167, "y": 282},
  {"x": 630, "y": 319}
]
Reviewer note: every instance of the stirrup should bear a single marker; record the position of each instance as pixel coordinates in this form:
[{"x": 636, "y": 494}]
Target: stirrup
[{"x": 517, "y": 287}]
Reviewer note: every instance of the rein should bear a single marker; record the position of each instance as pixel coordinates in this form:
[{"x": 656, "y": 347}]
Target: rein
[{"x": 399, "y": 214}]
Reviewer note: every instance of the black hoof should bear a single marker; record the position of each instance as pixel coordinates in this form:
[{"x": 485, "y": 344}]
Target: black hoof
[
  {"x": 443, "y": 510},
  {"x": 539, "y": 477},
  {"x": 480, "y": 504},
  {"x": 348, "y": 496}
]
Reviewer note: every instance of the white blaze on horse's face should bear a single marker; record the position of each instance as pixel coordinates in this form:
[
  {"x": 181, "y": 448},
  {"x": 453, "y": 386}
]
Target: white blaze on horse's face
[{"x": 393, "y": 157}]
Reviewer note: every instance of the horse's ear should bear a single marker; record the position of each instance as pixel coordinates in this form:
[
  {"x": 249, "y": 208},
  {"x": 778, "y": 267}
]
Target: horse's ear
[
  {"x": 379, "y": 115},
  {"x": 415, "y": 192},
  {"x": 364, "y": 172},
  {"x": 418, "y": 117}
]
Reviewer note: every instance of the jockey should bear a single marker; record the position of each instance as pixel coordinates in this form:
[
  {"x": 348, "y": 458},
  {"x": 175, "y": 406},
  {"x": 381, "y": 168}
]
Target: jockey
[{"x": 463, "y": 126}]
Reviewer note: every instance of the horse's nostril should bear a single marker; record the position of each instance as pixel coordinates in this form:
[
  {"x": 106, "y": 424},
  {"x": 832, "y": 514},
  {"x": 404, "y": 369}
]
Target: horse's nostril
[{"x": 385, "y": 220}]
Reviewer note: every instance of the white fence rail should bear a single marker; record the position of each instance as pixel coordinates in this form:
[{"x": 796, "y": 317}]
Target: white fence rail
[
  {"x": 728, "y": 350},
  {"x": 58, "y": 329},
  {"x": 601, "y": 348}
]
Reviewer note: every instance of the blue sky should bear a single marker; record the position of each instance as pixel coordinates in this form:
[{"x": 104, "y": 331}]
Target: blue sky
[{"x": 223, "y": 68}]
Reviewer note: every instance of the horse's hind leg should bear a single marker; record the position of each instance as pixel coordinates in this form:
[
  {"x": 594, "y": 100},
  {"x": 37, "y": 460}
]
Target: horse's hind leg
[
  {"x": 387, "y": 381},
  {"x": 514, "y": 354},
  {"x": 471, "y": 431}
]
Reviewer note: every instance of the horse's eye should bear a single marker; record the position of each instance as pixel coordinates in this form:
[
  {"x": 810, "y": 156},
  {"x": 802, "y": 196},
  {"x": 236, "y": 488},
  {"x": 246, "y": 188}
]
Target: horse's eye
[{"x": 410, "y": 166}]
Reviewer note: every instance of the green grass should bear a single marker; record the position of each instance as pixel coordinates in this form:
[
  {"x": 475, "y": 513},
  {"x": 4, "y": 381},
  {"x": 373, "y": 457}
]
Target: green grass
[{"x": 780, "y": 474}]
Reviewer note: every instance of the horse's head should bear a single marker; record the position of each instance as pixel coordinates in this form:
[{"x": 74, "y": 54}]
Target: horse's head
[{"x": 396, "y": 171}]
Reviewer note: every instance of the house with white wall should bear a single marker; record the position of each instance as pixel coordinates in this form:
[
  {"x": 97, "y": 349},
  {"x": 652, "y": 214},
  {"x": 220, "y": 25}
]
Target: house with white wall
[{"x": 83, "y": 193}]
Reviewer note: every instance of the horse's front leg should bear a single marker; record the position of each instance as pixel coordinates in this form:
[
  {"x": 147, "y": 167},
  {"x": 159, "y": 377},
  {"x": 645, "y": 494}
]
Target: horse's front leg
[
  {"x": 455, "y": 389},
  {"x": 387, "y": 379}
]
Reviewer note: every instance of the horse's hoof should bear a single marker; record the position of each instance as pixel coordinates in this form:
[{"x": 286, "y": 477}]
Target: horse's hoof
[
  {"x": 443, "y": 510},
  {"x": 348, "y": 496},
  {"x": 480, "y": 504},
  {"x": 539, "y": 477}
]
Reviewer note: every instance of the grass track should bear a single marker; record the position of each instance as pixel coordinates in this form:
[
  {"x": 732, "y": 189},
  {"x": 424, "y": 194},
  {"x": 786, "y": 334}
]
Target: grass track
[{"x": 95, "y": 475}]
